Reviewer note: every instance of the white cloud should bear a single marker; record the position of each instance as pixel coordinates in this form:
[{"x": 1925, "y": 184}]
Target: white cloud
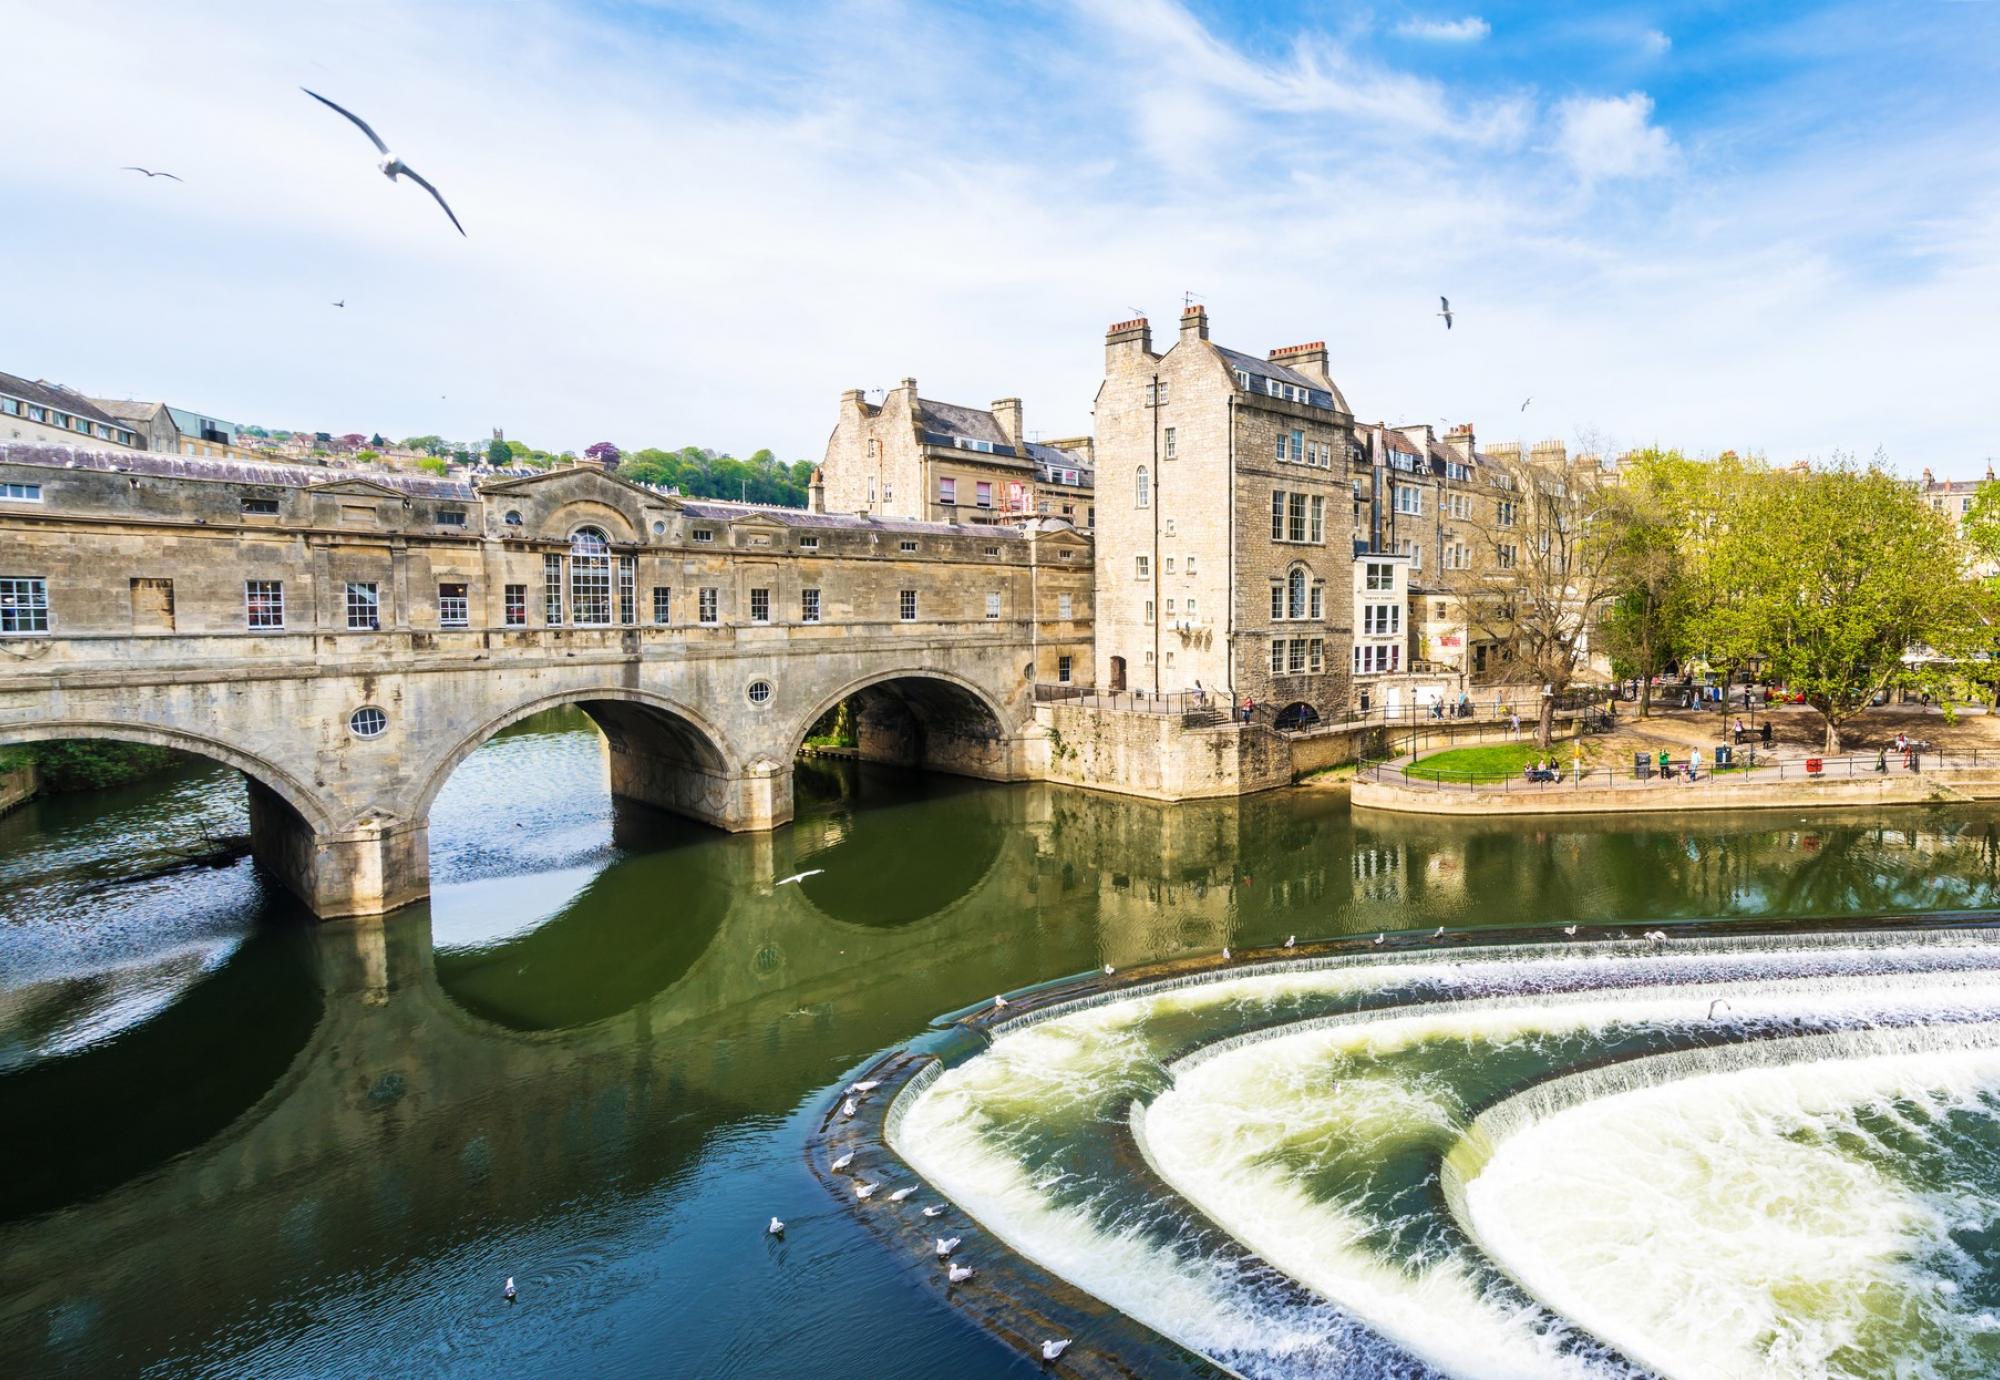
[
  {"x": 1655, "y": 43},
  {"x": 1467, "y": 30},
  {"x": 1612, "y": 136}
]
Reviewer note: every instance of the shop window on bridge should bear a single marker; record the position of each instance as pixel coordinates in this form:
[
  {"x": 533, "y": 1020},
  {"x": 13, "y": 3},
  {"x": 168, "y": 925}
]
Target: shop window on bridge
[
  {"x": 24, "y": 604},
  {"x": 992, "y": 604},
  {"x": 454, "y": 606},
  {"x": 707, "y": 606},
  {"x": 552, "y": 589},
  {"x": 264, "y": 603},
  {"x": 590, "y": 578},
  {"x": 906, "y": 605},
  {"x": 809, "y": 606},
  {"x": 515, "y": 613},
  {"x": 364, "y": 606},
  {"x": 628, "y": 590},
  {"x": 663, "y": 604}
]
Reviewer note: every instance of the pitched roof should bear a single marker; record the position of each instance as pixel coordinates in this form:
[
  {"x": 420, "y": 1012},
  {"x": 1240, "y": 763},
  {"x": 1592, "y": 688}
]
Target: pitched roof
[
  {"x": 45, "y": 394},
  {"x": 128, "y": 411},
  {"x": 166, "y": 466},
  {"x": 1263, "y": 368},
  {"x": 723, "y": 511},
  {"x": 953, "y": 420}
]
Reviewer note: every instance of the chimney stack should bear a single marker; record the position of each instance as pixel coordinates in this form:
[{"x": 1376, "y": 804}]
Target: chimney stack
[
  {"x": 1308, "y": 359},
  {"x": 1929, "y": 481},
  {"x": 1194, "y": 323},
  {"x": 816, "y": 491},
  {"x": 1126, "y": 335},
  {"x": 1007, "y": 412}
]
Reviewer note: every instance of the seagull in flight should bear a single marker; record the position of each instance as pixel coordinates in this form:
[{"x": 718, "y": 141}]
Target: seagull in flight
[
  {"x": 392, "y": 167},
  {"x": 150, "y": 174},
  {"x": 1444, "y": 302},
  {"x": 1524, "y": 406},
  {"x": 341, "y": 303},
  {"x": 798, "y": 877}
]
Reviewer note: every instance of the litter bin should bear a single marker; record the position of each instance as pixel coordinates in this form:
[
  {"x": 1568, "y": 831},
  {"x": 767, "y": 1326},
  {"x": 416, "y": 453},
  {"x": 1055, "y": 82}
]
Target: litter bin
[
  {"x": 1724, "y": 755},
  {"x": 1642, "y": 766},
  {"x": 1815, "y": 765}
]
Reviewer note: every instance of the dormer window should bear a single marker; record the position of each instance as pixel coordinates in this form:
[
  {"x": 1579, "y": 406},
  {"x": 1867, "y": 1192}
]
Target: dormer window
[
  {"x": 704, "y": 534},
  {"x": 971, "y": 443}
]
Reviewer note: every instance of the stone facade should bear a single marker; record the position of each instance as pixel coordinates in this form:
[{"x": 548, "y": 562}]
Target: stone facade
[
  {"x": 911, "y": 457},
  {"x": 1224, "y": 548}
]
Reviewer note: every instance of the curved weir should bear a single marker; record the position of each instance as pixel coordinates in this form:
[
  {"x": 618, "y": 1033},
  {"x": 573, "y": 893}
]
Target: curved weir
[{"x": 1385, "y": 1163}]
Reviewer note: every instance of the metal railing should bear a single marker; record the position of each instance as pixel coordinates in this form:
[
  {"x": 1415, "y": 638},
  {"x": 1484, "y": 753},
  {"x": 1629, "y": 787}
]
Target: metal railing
[
  {"x": 1488, "y": 708},
  {"x": 1747, "y": 769}
]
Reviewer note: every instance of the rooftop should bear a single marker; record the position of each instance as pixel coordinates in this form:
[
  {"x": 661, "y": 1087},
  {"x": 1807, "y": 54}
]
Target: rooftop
[{"x": 45, "y": 394}]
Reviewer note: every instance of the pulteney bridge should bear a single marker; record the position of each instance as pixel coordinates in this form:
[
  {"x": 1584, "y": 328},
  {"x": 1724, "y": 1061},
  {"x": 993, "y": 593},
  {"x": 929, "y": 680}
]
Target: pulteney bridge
[{"x": 346, "y": 639}]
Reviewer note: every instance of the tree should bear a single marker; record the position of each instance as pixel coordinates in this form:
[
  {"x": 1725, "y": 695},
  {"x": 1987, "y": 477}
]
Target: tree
[
  {"x": 603, "y": 452},
  {"x": 497, "y": 453},
  {"x": 1549, "y": 537},
  {"x": 429, "y": 445},
  {"x": 366, "y": 457},
  {"x": 432, "y": 464},
  {"x": 1846, "y": 583}
]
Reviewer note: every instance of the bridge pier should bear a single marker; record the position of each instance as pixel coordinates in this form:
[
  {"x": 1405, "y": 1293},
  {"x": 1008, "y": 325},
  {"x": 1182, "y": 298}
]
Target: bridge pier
[
  {"x": 371, "y": 868},
  {"x": 758, "y": 798}
]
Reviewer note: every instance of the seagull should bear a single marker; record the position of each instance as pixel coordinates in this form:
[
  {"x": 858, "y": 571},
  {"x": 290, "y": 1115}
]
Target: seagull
[
  {"x": 776, "y": 1228},
  {"x": 508, "y": 1292},
  {"x": 1054, "y": 1347},
  {"x": 934, "y": 1210},
  {"x": 799, "y": 877},
  {"x": 1524, "y": 406},
  {"x": 1109, "y": 970},
  {"x": 1654, "y": 936},
  {"x": 865, "y": 1191},
  {"x": 1291, "y": 940},
  {"x": 1569, "y": 929},
  {"x": 958, "y": 1274},
  {"x": 1444, "y": 302},
  {"x": 866, "y": 1085},
  {"x": 842, "y": 1162},
  {"x": 999, "y": 1001},
  {"x": 847, "y": 1108},
  {"x": 391, "y": 166},
  {"x": 1438, "y": 933},
  {"x": 1712, "y": 1005},
  {"x": 341, "y": 303},
  {"x": 945, "y": 1246},
  {"x": 1225, "y": 953},
  {"x": 902, "y": 1193},
  {"x": 150, "y": 174},
  {"x": 1380, "y": 937}
]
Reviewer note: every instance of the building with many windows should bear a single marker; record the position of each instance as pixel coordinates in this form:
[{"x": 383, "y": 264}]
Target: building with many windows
[
  {"x": 913, "y": 457},
  {"x": 177, "y": 431},
  {"x": 1224, "y": 556},
  {"x": 38, "y": 411}
]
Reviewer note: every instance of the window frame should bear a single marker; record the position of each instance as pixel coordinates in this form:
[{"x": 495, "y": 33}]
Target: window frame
[{"x": 31, "y": 618}]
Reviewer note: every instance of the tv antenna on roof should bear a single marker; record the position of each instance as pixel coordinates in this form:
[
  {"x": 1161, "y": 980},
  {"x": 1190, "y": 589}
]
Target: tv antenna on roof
[{"x": 1187, "y": 298}]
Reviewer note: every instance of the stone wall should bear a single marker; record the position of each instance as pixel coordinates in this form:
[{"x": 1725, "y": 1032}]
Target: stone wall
[
  {"x": 1155, "y": 756},
  {"x": 18, "y": 786}
]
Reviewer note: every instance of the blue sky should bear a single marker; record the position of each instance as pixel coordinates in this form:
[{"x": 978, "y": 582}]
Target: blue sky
[{"x": 1773, "y": 227}]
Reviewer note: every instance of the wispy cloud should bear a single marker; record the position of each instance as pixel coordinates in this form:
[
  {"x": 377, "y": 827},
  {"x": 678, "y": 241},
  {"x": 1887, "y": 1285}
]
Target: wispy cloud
[
  {"x": 1612, "y": 136},
  {"x": 1467, "y": 30},
  {"x": 1655, "y": 43}
]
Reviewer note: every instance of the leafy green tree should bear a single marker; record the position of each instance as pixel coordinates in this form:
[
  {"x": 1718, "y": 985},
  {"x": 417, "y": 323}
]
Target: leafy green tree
[
  {"x": 432, "y": 464},
  {"x": 1833, "y": 575},
  {"x": 84, "y": 764},
  {"x": 429, "y": 445},
  {"x": 497, "y": 453},
  {"x": 366, "y": 457}
]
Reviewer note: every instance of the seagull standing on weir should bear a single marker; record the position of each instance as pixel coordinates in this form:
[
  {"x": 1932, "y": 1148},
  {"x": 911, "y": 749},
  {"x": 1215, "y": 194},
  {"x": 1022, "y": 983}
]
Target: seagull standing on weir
[
  {"x": 1291, "y": 940},
  {"x": 392, "y": 167},
  {"x": 1569, "y": 929},
  {"x": 935, "y": 1210},
  {"x": 866, "y": 1085},
  {"x": 865, "y": 1191},
  {"x": 842, "y": 1162},
  {"x": 848, "y": 1108},
  {"x": 150, "y": 174},
  {"x": 902, "y": 1193},
  {"x": 1054, "y": 1347},
  {"x": 945, "y": 1246},
  {"x": 1444, "y": 302},
  {"x": 958, "y": 1274}
]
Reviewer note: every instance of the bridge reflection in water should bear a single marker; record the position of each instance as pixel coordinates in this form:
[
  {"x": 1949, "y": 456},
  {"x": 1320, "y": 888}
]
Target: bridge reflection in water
[{"x": 326, "y": 1152}]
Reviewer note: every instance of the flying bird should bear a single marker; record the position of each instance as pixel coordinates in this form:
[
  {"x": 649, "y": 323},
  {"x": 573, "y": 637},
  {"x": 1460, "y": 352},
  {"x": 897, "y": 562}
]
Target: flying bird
[
  {"x": 150, "y": 174},
  {"x": 392, "y": 167},
  {"x": 945, "y": 1246},
  {"x": 1444, "y": 302},
  {"x": 776, "y": 1228},
  {"x": 507, "y": 1292},
  {"x": 958, "y": 1274},
  {"x": 341, "y": 303},
  {"x": 902, "y": 1193},
  {"x": 799, "y": 877},
  {"x": 1054, "y": 1348},
  {"x": 1524, "y": 406}
]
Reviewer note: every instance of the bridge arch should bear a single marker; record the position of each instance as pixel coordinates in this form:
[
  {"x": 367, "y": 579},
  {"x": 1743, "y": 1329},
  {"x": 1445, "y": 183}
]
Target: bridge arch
[
  {"x": 923, "y": 716},
  {"x": 655, "y": 741},
  {"x": 304, "y": 800}
]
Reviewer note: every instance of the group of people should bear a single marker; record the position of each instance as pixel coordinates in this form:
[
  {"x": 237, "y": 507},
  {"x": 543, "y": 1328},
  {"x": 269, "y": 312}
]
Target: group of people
[{"x": 1546, "y": 769}]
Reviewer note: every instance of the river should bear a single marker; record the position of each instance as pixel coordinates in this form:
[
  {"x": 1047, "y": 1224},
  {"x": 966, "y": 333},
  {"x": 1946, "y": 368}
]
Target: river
[{"x": 239, "y": 1143}]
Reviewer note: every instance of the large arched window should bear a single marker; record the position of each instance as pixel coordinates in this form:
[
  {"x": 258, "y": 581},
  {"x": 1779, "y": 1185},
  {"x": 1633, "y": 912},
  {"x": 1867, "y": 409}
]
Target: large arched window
[
  {"x": 1295, "y": 593},
  {"x": 590, "y": 577},
  {"x": 1142, "y": 489}
]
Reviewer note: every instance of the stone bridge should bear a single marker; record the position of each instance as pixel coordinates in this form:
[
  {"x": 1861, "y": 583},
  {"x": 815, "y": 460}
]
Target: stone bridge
[{"x": 346, "y": 639}]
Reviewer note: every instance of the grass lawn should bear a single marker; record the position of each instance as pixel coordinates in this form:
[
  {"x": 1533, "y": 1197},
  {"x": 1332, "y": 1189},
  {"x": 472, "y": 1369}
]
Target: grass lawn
[{"x": 1487, "y": 762}]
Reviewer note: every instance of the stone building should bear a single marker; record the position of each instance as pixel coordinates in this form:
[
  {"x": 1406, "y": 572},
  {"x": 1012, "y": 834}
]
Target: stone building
[
  {"x": 913, "y": 457},
  {"x": 50, "y": 414},
  {"x": 1224, "y": 551},
  {"x": 177, "y": 431}
]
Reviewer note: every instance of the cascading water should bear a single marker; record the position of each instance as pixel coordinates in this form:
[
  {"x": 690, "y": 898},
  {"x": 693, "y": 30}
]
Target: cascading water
[{"x": 1514, "y": 1161}]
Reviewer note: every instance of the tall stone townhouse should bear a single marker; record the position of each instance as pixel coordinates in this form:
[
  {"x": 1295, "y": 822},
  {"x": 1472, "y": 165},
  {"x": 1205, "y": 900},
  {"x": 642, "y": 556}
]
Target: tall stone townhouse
[
  {"x": 48, "y": 413},
  {"x": 1224, "y": 550},
  {"x": 913, "y": 457}
]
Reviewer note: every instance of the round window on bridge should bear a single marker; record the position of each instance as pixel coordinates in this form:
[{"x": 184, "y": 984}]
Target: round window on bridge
[
  {"x": 760, "y": 692},
  {"x": 368, "y": 722}
]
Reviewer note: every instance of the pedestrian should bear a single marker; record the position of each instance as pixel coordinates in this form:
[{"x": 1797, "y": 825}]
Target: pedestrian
[
  {"x": 1200, "y": 696},
  {"x": 1694, "y": 763},
  {"x": 1741, "y": 731},
  {"x": 1666, "y": 764},
  {"x": 1514, "y": 724}
]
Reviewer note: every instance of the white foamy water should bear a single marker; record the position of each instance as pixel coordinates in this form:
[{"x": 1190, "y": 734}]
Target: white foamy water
[
  {"x": 1311, "y": 1134},
  {"x": 1790, "y": 1221}
]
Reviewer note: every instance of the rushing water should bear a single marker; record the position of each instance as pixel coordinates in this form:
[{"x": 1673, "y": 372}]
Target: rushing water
[{"x": 239, "y": 1143}]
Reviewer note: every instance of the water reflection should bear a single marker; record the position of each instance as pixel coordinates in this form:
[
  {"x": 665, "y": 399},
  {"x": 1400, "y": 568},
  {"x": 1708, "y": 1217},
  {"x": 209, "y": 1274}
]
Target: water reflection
[{"x": 583, "y": 1062}]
